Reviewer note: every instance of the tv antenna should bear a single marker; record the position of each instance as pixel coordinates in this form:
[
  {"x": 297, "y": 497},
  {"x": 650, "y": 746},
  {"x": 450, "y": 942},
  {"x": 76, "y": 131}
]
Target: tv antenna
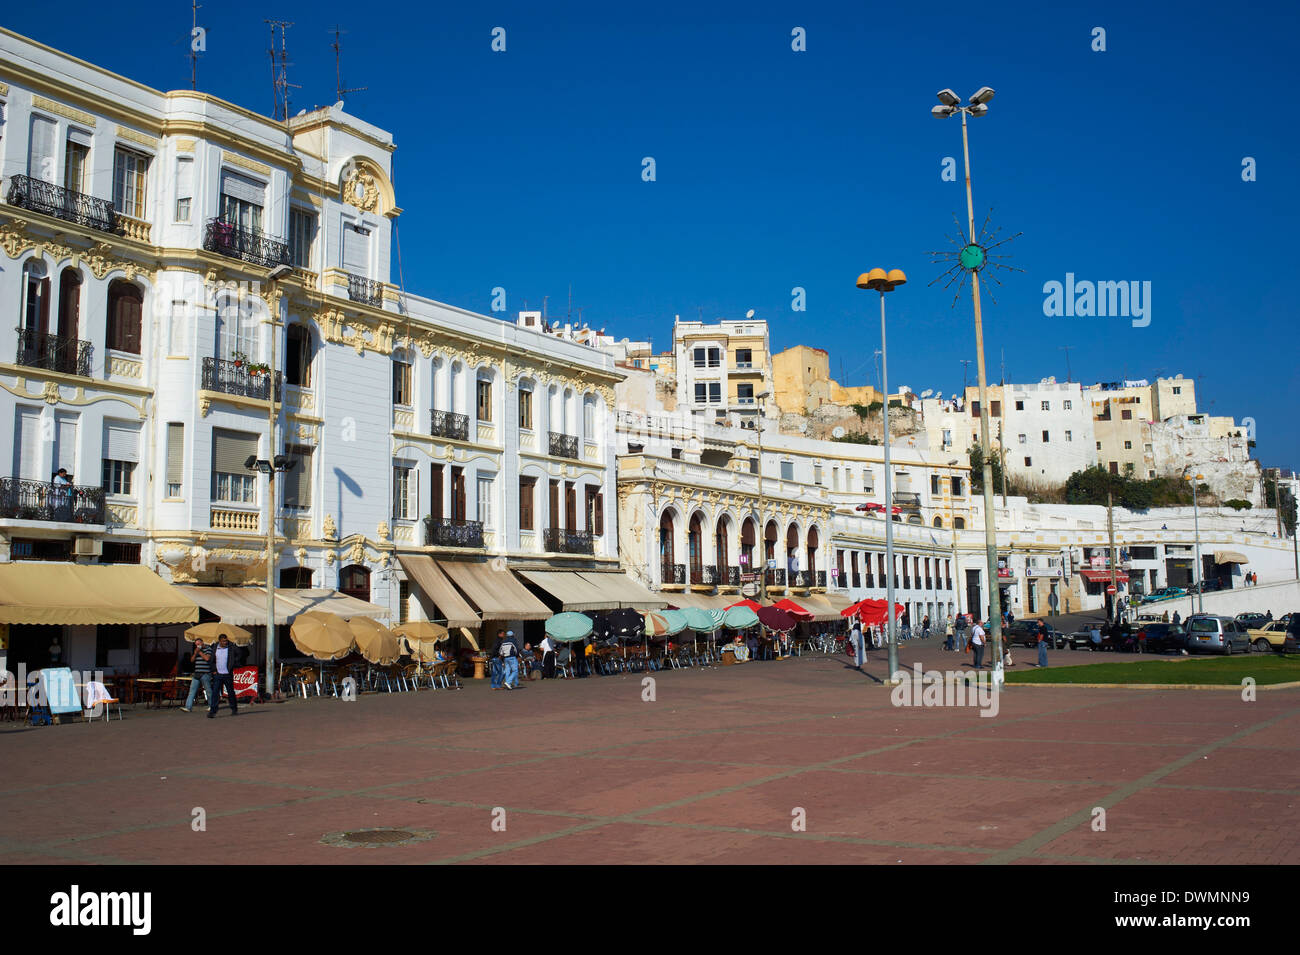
[
  {"x": 195, "y": 46},
  {"x": 1066, "y": 349},
  {"x": 280, "y": 84},
  {"x": 338, "y": 67},
  {"x": 965, "y": 369}
]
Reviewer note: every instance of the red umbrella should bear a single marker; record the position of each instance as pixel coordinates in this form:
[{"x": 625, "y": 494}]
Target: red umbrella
[
  {"x": 871, "y": 612},
  {"x": 776, "y": 619},
  {"x": 790, "y": 607},
  {"x": 744, "y": 603}
]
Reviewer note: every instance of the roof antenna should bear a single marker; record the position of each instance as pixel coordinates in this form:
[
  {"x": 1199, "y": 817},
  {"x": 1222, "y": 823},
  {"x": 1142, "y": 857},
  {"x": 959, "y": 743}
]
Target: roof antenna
[
  {"x": 198, "y": 43},
  {"x": 280, "y": 70},
  {"x": 338, "y": 67}
]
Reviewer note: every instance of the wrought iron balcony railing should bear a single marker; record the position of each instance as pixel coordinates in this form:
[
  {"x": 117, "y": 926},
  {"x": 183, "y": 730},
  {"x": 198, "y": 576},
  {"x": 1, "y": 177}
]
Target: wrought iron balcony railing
[
  {"x": 672, "y": 573},
  {"x": 45, "y": 501},
  {"x": 856, "y": 580},
  {"x": 251, "y": 245},
  {"x": 235, "y": 378},
  {"x": 449, "y": 533},
  {"x": 733, "y": 576},
  {"x": 65, "y": 204},
  {"x": 776, "y": 577},
  {"x": 801, "y": 578},
  {"x": 869, "y": 580},
  {"x": 558, "y": 540},
  {"x": 820, "y": 579},
  {"x": 708, "y": 574},
  {"x": 563, "y": 445},
  {"x": 365, "y": 291},
  {"x": 71, "y": 356},
  {"x": 447, "y": 424}
]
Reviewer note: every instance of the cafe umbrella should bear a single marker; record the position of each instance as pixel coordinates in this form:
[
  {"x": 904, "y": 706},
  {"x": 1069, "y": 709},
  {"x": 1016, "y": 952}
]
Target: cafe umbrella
[
  {"x": 569, "y": 627},
  {"x": 374, "y": 641},
  {"x": 322, "y": 636},
  {"x": 420, "y": 638},
  {"x": 703, "y": 621},
  {"x": 210, "y": 631}
]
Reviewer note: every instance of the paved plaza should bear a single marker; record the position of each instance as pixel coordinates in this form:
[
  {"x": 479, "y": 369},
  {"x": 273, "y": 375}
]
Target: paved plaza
[{"x": 722, "y": 767}]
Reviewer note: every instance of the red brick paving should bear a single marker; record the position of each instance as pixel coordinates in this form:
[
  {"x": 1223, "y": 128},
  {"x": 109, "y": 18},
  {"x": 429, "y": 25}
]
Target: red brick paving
[{"x": 587, "y": 772}]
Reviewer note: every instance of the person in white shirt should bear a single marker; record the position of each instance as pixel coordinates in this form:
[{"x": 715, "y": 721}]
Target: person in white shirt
[
  {"x": 223, "y": 675},
  {"x": 977, "y": 644},
  {"x": 547, "y": 646}
]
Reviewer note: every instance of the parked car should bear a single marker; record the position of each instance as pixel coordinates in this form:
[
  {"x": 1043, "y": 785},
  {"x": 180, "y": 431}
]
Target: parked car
[
  {"x": 1207, "y": 633},
  {"x": 1150, "y": 618},
  {"x": 1159, "y": 637},
  {"x": 1165, "y": 593},
  {"x": 1082, "y": 640},
  {"x": 1024, "y": 633},
  {"x": 1271, "y": 636},
  {"x": 1252, "y": 621}
]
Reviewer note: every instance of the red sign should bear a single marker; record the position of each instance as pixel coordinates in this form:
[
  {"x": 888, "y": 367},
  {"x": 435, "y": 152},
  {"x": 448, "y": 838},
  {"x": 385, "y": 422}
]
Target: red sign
[
  {"x": 245, "y": 683},
  {"x": 1110, "y": 590}
]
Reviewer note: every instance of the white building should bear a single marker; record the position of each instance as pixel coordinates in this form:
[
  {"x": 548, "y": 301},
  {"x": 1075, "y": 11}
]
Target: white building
[
  {"x": 177, "y": 262},
  {"x": 1047, "y": 431}
]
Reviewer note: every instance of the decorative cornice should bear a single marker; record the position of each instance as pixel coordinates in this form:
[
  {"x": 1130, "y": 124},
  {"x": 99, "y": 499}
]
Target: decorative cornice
[
  {"x": 40, "y": 102},
  {"x": 235, "y": 159},
  {"x": 125, "y": 132}
]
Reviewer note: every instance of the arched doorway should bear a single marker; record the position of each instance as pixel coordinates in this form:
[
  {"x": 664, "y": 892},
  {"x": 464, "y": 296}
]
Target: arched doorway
[
  {"x": 354, "y": 581},
  {"x": 813, "y": 542},
  {"x": 770, "y": 537},
  {"x": 721, "y": 548},
  {"x": 667, "y": 551},
  {"x": 748, "y": 533},
  {"x": 792, "y": 551},
  {"x": 695, "y": 548}
]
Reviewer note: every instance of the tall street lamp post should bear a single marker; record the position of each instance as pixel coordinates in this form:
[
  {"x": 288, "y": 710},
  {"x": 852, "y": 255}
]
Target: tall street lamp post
[
  {"x": 278, "y": 464},
  {"x": 881, "y": 281},
  {"x": 762, "y": 523},
  {"x": 1196, "y": 530},
  {"x": 972, "y": 259}
]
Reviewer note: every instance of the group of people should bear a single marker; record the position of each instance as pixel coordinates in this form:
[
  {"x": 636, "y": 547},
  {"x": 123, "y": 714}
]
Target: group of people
[
  {"x": 214, "y": 670},
  {"x": 506, "y": 658}
]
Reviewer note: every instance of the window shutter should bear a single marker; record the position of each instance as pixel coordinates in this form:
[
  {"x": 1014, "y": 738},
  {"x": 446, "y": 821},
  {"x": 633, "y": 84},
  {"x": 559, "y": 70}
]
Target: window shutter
[
  {"x": 65, "y": 442},
  {"x": 297, "y": 482},
  {"x": 356, "y": 252},
  {"x": 121, "y": 442},
  {"x": 40, "y": 152},
  {"x": 175, "y": 452},
  {"x": 27, "y": 447},
  {"x": 600, "y": 514},
  {"x": 242, "y": 188},
  {"x": 184, "y": 178},
  {"x": 230, "y": 449},
  {"x": 79, "y": 136}
]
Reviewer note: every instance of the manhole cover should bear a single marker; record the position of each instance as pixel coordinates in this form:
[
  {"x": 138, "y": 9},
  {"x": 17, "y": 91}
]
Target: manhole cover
[{"x": 374, "y": 838}]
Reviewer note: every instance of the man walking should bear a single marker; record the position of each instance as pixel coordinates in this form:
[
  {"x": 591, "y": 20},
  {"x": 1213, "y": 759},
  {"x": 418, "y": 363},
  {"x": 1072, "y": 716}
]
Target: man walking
[
  {"x": 507, "y": 650},
  {"x": 547, "y": 646},
  {"x": 977, "y": 644},
  {"x": 202, "y": 660},
  {"x": 223, "y": 663},
  {"x": 859, "y": 646}
]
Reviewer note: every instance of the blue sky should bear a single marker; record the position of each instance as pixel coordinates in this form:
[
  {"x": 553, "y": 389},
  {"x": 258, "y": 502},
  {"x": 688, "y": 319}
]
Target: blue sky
[{"x": 777, "y": 169}]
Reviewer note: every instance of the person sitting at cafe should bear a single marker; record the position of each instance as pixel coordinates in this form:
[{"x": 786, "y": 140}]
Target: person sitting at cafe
[{"x": 739, "y": 649}]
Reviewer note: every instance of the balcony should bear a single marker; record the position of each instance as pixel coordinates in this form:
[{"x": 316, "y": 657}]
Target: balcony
[
  {"x": 563, "y": 445},
  {"x": 732, "y": 576},
  {"x": 907, "y": 499},
  {"x": 446, "y": 424},
  {"x": 234, "y": 378},
  {"x": 44, "y": 501},
  {"x": 776, "y": 577},
  {"x": 558, "y": 540},
  {"x": 365, "y": 291},
  {"x": 672, "y": 573},
  {"x": 250, "y": 245},
  {"x": 820, "y": 579},
  {"x": 448, "y": 533},
  {"x": 69, "y": 356},
  {"x": 65, "y": 204}
]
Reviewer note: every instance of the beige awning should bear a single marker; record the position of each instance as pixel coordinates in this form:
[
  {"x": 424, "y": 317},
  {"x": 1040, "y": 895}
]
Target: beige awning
[
  {"x": 497, "y": 594},
  {"x": 246, "y": 606},
  {"x": 628, "y": 592},
  {"x": 433, "y": 583},
  {"x": 1229, "y": 557},
  {"x": 86, "y": 594},
  {"x": 824, "y": 607},
  {"x": 572, "y": 590},
  {"x": 703, "y": 601}
]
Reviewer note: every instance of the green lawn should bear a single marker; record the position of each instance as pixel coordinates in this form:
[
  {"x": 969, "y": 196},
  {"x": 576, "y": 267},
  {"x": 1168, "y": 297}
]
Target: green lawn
[{"x": 1226, "y": 671}]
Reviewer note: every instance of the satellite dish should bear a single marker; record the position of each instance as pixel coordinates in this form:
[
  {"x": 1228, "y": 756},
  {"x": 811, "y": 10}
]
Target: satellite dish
[
  {"x": 927, "y": 393},
  {"x": 839, "y": 432},
  {"x": 750, "y": 313}
]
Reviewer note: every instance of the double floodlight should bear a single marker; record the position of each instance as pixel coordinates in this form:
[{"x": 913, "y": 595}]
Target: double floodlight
[
  {"x": 978, "y": 105},
  {"x": 281, "y": 462}
]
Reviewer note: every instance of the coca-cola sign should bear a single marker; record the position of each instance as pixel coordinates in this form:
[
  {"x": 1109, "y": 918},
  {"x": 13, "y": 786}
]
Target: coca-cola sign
[{"x": 246, "y": 683}]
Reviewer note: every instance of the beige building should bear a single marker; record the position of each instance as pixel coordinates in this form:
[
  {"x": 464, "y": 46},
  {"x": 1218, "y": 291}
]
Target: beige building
[
  {"x": 803, "y": 382},
  {"x": 722, "y": 367}
]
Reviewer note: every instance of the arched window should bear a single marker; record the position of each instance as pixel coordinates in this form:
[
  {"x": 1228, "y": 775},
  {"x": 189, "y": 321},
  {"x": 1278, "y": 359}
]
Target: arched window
[
  {"x": 938, "y": 522},
  {"x": 36, "y": 301},
  {"x": 297, "y": 356},
  {"x": 354, "y": 581},
  {"x": 125, "y": 308},
  {"x": 69, "y": 303},
  {"x": 237, "y": 329},
  {"x": 959, "y": 523}
]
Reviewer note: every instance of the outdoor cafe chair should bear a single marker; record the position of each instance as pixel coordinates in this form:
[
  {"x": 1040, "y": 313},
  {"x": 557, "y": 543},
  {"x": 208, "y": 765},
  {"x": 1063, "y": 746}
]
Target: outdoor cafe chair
[{"x": 97, "y": 695}]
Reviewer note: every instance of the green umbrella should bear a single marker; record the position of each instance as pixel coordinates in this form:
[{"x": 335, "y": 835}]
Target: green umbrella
[
  {"x": 569, "y": 627},
  {"x": 739, "y": 618},
  {"x": 703, "y": 621}
]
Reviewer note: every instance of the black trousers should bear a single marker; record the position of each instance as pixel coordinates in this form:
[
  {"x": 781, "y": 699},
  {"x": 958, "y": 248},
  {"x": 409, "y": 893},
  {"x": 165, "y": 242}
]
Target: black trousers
[
  {"x": 220, "y": 680},
  {"x": 548, "y": 665}
]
